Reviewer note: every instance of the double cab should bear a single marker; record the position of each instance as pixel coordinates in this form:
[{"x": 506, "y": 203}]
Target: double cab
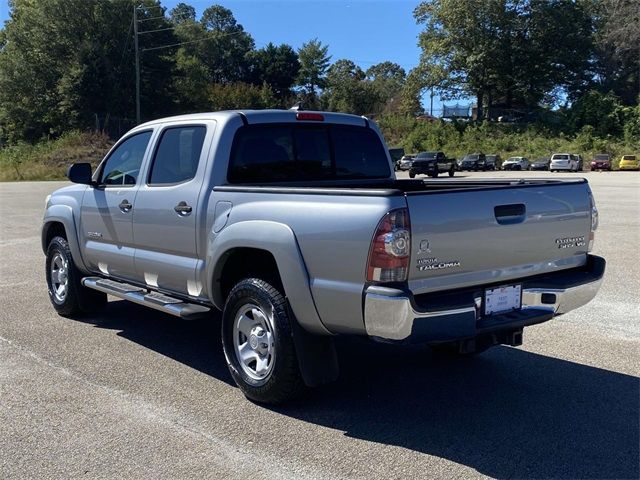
[{"x": 293, "y": 226}]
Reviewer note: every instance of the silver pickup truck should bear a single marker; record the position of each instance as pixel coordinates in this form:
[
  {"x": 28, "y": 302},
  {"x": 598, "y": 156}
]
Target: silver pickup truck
[{"x": 293, "y": 224}]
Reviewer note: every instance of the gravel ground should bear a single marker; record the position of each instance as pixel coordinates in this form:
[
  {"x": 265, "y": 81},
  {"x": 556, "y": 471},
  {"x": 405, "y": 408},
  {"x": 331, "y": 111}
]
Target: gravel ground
[{"x": 132, "y": 393}]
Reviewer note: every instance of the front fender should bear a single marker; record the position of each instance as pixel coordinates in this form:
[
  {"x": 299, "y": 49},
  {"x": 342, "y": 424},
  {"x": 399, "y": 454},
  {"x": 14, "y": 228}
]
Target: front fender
[
  {"x": 63, "y": 214},
  {"x": 280, "y": 241}
]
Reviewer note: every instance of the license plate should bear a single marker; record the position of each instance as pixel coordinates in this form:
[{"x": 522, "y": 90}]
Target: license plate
[{"x": 502, "y": 299}]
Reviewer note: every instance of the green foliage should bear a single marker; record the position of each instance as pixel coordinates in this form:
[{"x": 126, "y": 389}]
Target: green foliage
[
  {"x": 501, "y": 51},
  {"x": 278, "y": 66},
  {"x": 458, "y": 139},
  {"x": 64, "y": 61},
  {"x": 241, "y": 96},
  {"x": 49, "y": 159},
  {"x": 314, "y": 62}
]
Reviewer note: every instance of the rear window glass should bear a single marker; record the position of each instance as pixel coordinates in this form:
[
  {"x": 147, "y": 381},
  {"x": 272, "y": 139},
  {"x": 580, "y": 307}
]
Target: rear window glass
[
  {"x": 629, "y": 157},
  {"x": 601, "y": 157},
  {"x": 285, "y": 153},
  {"x": 561, "y": 157}
]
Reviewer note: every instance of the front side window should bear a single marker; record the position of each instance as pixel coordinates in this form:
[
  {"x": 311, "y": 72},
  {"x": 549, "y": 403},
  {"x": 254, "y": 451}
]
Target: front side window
[
  {"x": 177, "y": 156},
  {"x": 291, "y": 152},
  {"x": 123, "y": 165}
]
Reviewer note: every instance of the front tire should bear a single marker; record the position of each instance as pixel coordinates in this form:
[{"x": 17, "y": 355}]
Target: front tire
[
  {"x": 66, "y": 293},
  {"x": 258, "y": 343},
  {"x": 452, "y": 172},
  {"x": 412, "y": 175}
]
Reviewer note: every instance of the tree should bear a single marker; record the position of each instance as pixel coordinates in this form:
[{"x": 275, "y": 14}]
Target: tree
[
  {"x": 504, "y": 50},
  {"x": 347, "y": 89},
  {"x": 224, "y": 52},
  {"x": 278, "y": 66},
  {"x": 240, "y": 96},
  {"x": 67, "y": 61},
  {"x": 388, "y": 79},
  {"x": 314, "y": 62},
  {"x": 182, "y": 13}
]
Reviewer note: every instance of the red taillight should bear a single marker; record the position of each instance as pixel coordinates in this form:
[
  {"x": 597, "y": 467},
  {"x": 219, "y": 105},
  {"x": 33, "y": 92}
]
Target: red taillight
[
  {"x": 390, "y": 248},
  {"x": 316, "y": 117}
]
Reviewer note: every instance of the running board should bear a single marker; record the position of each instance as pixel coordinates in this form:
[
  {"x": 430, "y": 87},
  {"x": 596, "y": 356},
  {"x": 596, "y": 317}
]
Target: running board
[{"x": 142, "y": 296}]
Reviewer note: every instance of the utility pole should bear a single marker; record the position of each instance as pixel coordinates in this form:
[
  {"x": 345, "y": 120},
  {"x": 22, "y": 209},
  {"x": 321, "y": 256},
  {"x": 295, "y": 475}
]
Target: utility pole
[
  {"x": 135, "y": 41},
  {"x": 431, "y": 107}
]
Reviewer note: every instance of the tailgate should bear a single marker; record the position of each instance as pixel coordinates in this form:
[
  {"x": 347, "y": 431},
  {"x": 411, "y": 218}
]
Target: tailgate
[{"x": 491, "y": 235}]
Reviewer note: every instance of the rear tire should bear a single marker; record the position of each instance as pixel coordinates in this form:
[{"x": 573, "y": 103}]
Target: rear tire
[
  {"x": 258, "y": 343},
  {"x": 67, "y": 295},
  {"x": 412, "y": 175},
  {"x": 452, "y": 172}
]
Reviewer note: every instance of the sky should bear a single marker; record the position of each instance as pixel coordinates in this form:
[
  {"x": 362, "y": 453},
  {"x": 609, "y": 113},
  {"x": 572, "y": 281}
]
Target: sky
[{"x": 364, "y": 31}]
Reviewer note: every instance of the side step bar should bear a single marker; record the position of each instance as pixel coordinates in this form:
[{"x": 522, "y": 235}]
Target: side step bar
[{"x": 142, "y": 296}]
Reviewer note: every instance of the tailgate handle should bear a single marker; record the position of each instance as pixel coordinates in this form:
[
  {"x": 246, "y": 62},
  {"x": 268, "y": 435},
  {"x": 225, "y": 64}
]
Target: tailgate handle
[{"x": 509, "y": 214}]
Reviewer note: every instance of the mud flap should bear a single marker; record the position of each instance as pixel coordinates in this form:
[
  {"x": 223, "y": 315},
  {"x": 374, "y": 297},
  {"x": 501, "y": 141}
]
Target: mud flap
[{"x": 316, "y": 354}]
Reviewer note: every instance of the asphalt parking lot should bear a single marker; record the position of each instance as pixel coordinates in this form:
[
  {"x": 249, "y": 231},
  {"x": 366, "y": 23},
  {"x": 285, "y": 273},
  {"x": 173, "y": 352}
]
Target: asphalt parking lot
[{"x": 133, "y": 393}]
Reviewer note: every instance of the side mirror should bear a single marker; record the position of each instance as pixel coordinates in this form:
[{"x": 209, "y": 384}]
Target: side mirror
[{"x": 80, "y": 173}]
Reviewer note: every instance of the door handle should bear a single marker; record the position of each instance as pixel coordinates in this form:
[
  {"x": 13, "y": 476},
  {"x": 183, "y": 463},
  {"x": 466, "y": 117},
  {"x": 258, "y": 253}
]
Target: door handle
[
  {"x": 125, "y": 206},
  {"x": 183, "y": 209}
]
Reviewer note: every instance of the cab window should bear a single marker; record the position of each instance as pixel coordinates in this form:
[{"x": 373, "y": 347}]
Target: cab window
[
  {"x": 177, "y": 156},
  {"x": 122, "y": 167}
]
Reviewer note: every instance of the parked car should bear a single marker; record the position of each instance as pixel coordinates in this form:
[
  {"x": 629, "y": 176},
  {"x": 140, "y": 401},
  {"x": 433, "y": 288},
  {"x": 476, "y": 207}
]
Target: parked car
[
  {"x": 563, "y": 162},
  {"x": 601, "y": 161},
  {"x": 405, "y": 162},
  {"x": 473, "y": 162},
  {"x": 629, "y": 162},
  {"x": 516, "y": 163},
  {"x": 432, "y": 163},
  {"x": 540, "y": 164},
  {"x": 493, "y": 162},
  {"x": 580, "y": 161},
  {"x": 217, "y": 211}
]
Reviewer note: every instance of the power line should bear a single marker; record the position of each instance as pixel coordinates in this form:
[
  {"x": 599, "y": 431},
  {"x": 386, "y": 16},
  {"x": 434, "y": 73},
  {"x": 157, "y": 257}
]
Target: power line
[
  {"x": 157, "y": 30},
  {"x": 151, "y": 18},
  {"x": 210, "y": 37}
]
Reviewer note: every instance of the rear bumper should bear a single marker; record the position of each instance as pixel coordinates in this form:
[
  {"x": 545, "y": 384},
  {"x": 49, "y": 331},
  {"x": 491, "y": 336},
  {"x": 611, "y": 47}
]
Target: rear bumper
[{"x": 397, "y": 315}]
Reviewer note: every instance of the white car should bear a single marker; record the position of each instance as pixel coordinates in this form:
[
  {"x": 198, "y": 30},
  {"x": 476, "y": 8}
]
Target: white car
[
  {"x": 516, "y": 163},
  {"x": 563, "y": 162}
]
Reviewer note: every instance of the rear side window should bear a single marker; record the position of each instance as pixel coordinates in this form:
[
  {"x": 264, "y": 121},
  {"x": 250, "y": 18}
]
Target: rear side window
[
  {"x": 177, "y": 156},
  {"x": 291, "y": 152}
]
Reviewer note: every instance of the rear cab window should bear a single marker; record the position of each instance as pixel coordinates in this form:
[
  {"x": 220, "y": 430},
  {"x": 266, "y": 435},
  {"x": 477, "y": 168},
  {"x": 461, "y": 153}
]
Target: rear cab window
[
  {"x": 177, "y": 155},
  {"x": 273, "y": 153}
]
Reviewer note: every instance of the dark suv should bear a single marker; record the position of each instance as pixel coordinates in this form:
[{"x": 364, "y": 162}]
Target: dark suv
[{"x": 473, "y": 161}]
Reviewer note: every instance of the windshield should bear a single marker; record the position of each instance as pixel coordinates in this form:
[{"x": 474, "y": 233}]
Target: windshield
[
  {"x": 561, "y": 157},
  {"x": 470, "y": 157},
  {"x": 426, "y": 156},
  {"x": 491, "y": 158},
  {"x": 514, "y": 159}
]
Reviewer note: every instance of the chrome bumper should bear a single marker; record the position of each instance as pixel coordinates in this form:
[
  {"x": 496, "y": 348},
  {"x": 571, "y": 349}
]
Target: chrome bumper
[{"x": 391, "y": 314}]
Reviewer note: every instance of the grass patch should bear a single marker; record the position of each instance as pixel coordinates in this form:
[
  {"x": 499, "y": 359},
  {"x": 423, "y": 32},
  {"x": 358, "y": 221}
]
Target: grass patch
[{"x": 49, "y": 159}]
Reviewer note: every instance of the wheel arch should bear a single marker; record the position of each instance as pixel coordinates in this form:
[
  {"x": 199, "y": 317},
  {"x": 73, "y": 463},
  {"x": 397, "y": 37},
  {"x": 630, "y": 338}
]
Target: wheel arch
[
  {"x": 274, "y": 247},
  {"x": 59, "y": 220}
]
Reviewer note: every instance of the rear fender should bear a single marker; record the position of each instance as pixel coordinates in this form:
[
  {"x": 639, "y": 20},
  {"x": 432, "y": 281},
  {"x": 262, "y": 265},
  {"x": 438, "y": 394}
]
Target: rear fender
[{"x": 279, "y": 240}]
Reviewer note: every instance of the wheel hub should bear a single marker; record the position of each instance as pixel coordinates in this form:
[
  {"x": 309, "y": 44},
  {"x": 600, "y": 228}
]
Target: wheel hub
[{"x": 254, "y": 341}]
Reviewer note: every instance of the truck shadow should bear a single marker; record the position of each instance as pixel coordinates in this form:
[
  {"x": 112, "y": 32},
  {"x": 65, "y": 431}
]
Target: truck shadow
[{"x": 506, "y": 413}]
